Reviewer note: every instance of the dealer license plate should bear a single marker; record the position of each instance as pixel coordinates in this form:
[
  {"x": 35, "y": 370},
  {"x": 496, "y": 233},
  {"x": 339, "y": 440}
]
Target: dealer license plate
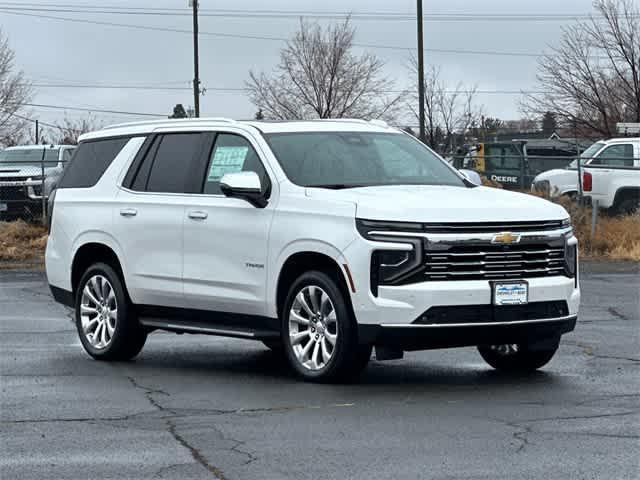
[
  {"x": 3, "y": 207},
  {"x": 511, "y": 293}
]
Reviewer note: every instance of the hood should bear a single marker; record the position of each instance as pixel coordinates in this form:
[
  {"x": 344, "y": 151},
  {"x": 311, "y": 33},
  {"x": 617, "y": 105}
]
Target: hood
[
  {"x": 426, "y": 203},
  {"x": 21, "y": 171},
  {"x": 556, "y": 173}
]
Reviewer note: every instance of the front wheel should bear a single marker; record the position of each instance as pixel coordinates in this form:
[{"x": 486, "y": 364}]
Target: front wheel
[
  {"x": 319, "y": 332},
  {"x": 517, "y": 357}
]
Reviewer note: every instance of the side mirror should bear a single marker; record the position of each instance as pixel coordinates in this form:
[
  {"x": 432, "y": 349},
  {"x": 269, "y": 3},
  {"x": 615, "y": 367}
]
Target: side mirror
[
  {"x": 472, "y": 176},
  {"x": 245, "y": 185}
]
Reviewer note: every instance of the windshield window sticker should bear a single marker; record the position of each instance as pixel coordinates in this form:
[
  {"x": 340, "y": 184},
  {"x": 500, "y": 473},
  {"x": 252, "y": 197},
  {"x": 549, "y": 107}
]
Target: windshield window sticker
[{"x": 227, "y": 160}]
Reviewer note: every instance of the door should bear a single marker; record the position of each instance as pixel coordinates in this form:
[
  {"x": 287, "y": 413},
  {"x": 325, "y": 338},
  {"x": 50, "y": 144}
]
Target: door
[
  {"x": 610, "y": 158},
  {"x": 226, "y": 239},
  {"x": 148, "y": 218}
]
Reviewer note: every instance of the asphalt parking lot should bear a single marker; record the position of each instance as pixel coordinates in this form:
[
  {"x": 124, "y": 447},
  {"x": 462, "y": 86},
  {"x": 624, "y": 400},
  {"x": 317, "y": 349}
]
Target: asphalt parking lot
[{"x": 193, "y": 407}]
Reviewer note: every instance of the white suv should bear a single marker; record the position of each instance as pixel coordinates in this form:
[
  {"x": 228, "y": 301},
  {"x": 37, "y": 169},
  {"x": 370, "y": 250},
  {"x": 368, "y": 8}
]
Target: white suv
[{"x": 322, "y": 239}]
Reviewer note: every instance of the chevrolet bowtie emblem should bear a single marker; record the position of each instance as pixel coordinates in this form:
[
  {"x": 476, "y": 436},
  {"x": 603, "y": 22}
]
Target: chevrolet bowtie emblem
[{"x": 506, "y": 238}]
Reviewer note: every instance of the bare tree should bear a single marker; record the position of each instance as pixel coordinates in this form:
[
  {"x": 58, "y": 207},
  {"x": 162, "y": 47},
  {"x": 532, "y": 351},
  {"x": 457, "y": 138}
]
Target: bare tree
[
  {"x": 319, "y": 76},
  {"x": 592, "y": 79},
  {"x": 449, "y": 113},
  {"x": 14, "y": 93},
  {"x": 69, "y": 129}
]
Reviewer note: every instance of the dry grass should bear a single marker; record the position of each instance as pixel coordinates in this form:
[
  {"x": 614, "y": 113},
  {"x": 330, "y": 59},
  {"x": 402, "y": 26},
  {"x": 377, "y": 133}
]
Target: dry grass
[
  {"x": 21, "y": 241},
  {"x": 616, "y": 238}
]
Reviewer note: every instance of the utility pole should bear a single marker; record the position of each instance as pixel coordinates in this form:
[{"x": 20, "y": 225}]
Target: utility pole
[
  {"x": 421, "y": 72},
  {"x": 37, "y": 133},
  {"x": 196, "y": 77}
]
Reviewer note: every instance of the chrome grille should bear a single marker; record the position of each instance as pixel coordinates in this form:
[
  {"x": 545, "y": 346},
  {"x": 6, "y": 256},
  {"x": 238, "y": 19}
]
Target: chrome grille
[{"x": 494, "y": 262}]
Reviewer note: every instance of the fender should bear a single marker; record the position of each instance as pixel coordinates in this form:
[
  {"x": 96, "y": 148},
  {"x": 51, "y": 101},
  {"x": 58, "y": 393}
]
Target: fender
[
  {"x": 299, "y": 246},
  {"x": 95, "y": 236}
]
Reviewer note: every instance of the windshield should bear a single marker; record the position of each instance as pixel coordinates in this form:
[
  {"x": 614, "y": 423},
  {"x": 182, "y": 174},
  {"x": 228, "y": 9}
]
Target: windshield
[
  {"x": 29, "y": 157},
  {"x": 586, "y": 155},
  {"x": 358, "y": 159}
]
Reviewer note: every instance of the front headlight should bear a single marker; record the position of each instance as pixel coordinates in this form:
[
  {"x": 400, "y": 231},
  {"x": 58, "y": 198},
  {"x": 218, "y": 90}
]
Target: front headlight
[{"x": 392, "y": 267}]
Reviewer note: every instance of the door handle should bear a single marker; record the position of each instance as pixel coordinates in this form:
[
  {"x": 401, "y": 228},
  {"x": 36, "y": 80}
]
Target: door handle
[
  {"x": 198, "y": 215},
  {"x": 128, "y": 212}
]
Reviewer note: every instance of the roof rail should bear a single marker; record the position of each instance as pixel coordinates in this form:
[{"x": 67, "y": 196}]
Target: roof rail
[{"x": 169, "y": 120}]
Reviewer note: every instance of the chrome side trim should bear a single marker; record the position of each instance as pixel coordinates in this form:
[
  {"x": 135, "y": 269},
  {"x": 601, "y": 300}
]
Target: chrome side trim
[{"x": 478, "y": 324}]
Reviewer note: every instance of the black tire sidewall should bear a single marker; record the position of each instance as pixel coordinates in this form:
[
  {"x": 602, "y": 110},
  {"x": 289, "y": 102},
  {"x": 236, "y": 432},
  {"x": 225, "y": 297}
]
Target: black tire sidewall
[
  {"x": 525, "y": 360},
  {"x": 347, "y": 341},
  {"x": 126, "y": 329}
]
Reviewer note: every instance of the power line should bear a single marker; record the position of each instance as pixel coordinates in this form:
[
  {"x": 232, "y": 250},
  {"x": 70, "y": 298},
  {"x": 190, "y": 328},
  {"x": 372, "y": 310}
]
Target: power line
[
  {"x": 97, "y": 110},
  {"x": 238, "y": 13},
  {"x": 269, "y": 38},
  {"x": 243, "y": 90}
]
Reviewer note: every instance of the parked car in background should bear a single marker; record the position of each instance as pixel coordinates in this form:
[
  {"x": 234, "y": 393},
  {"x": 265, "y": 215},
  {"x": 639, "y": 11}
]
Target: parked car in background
[
  {"x": 616, "y": 152},
  {"x": 322, "y": 239},
  {"x": 616, "y": 185},
  {"x": 27, "y": 173}
]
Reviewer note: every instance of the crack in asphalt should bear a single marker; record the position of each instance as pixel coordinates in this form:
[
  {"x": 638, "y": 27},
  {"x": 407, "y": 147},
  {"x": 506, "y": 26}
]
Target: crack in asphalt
[
  {"x": 195, "y": 453},
  {"x": 172, "y": 429},
  {"x": 160, "y": 473},
  {"x": 523, "y": 429},
  {"x": 589, "y": 351},
  {"x": 613, "y": 311}
]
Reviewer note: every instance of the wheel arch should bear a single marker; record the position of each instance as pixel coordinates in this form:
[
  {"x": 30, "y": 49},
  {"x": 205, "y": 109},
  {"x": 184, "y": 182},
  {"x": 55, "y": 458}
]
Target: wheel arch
[
  {"x": 92, "y": 252},
  {"x": 623, "y": 193},
  {"x": 296, "y": 263}
]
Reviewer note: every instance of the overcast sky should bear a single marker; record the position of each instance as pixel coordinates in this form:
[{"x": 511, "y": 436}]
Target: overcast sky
[{"x": 60, "y": 52}]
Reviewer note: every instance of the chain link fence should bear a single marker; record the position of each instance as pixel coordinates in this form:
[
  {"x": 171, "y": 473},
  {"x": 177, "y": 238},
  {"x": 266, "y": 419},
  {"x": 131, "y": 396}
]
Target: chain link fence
[
  {"x": 28, "y": 175},
  {"x": 519, "y": 172}
]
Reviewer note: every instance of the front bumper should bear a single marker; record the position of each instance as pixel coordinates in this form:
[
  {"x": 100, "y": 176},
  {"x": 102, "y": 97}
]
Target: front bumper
[{"x": 422, "y": 337}]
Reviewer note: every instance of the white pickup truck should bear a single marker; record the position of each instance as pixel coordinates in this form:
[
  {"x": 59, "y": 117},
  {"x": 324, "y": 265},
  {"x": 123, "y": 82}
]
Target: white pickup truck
[
  {"x": 615, "y": 184},
  {"x": 605, "y": 154}
]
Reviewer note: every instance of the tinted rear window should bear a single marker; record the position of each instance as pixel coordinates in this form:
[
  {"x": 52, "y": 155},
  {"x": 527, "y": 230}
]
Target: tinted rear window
[{"x": 90, "y": 161}]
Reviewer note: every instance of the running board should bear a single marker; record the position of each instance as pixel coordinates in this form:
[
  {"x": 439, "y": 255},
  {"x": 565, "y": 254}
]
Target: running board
[{"x": 200, "y": 328}]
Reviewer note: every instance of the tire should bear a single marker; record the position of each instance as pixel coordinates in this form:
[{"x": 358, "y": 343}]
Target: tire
[
  {"x": 106, "y": 335},
  {"x": 321, "y": 348},
  {"x": 520, "y": 358},
  {"x": 629, "y": 206}
]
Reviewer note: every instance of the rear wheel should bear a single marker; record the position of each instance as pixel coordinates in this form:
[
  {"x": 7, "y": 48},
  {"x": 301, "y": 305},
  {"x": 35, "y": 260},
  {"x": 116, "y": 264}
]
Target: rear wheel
[
  {"x": 319, "y": 332},
  {"x": 517, "y": 357},
  {"x": 105, "y": 321}
]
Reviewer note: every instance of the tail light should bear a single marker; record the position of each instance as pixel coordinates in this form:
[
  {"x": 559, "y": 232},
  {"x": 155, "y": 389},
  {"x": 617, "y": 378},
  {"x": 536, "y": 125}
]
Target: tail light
[{"x": 587, "y": 181}]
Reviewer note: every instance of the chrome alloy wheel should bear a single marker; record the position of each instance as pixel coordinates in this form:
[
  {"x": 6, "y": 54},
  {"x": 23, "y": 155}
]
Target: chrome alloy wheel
[
  {"x": 313, "y": 327},
  {"x": 506, "y": 349},
  {"x": 98, "y": 312}
]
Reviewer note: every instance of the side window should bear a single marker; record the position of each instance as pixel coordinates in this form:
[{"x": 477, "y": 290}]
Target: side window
[
  {"x": 615, "y": 156},
  {"x": 172, "y": 162},
  {"x": 139, "y": 182},
  {"x": 502, "y": 157},
  {"x": 67, "y": 153},
  {"x": 231, "y": 153},
  {"x": 90, "y": 161}
]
